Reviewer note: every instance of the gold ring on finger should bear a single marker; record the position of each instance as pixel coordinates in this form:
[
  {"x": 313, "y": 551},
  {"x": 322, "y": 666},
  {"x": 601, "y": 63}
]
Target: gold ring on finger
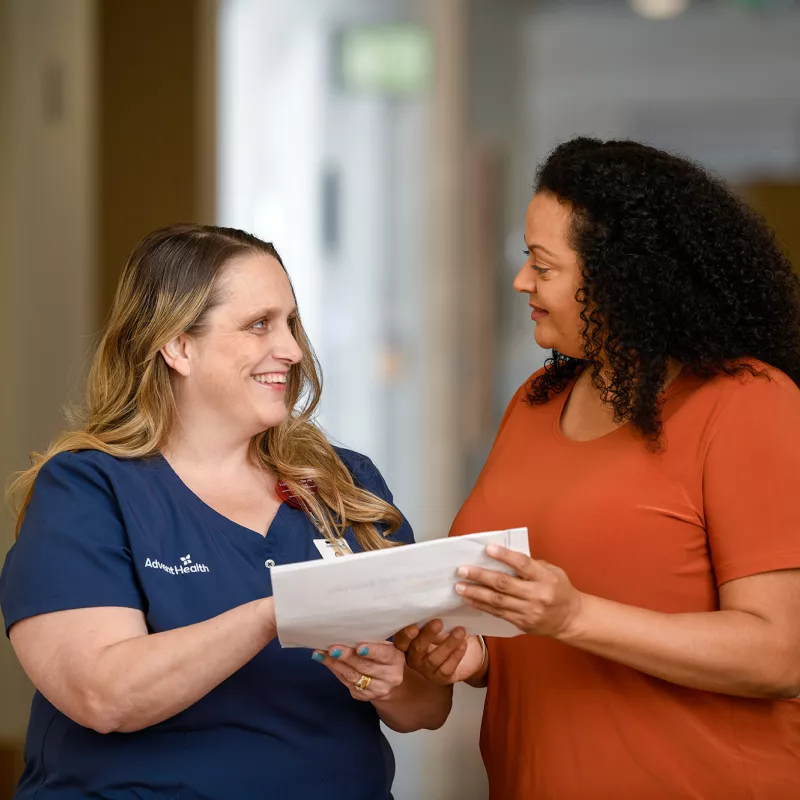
[{"x": 362, "y": 683}]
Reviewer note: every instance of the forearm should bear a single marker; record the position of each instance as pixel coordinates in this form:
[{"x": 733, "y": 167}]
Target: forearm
[
  {"x": 415, "y": 704},
  {"x": 145, "y": 680},
  {"x": 731, "y": 652}
]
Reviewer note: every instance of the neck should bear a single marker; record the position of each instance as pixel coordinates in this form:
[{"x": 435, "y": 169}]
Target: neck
[
  {"x": 204, "y": 447},
  {"x": 673, "y": 370}
]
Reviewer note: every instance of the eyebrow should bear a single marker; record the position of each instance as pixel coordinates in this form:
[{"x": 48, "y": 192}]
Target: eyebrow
[
  {"x": 539, "y": 247},
  {"x": 271, "y": 311}
]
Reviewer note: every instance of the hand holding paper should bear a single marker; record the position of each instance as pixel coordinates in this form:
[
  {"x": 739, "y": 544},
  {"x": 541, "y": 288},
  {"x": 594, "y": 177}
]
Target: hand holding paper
[{"x": 367, "y": 597}]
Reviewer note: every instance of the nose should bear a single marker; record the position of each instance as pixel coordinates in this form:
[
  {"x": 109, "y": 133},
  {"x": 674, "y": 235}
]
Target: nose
[
  {"x": 287, "y": 349},
  {"x": 525, "y": 280}
]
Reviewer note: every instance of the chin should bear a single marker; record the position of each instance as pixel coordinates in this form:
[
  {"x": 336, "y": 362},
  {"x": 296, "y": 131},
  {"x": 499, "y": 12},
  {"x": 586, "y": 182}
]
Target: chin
[
  {"x": 267, "y": 424},
  {"x": 570, "y": 349},
  {"x": 273, "y": 420},
  {"x": 543, "y": 340}
]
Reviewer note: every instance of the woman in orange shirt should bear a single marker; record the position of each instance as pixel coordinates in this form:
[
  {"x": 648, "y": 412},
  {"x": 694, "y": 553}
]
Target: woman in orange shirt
[{"x": 656, "y": 463}]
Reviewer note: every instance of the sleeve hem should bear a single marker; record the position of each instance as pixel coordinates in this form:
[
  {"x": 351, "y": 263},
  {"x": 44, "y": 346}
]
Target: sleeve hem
[
  {"x": 51, "y": 605},
  {"x": 733, "y": 570}
]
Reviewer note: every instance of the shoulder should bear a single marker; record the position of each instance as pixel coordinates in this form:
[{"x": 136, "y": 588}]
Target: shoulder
[
  {"x": 757, "y": 401},
  {"x": 74, "y": 497},
  {"x": 89, "y": 473},
  {"x": 365, "y": 474},
  {"x": 80, "y": 466},
  {"x": 538, "y": 374},
  {"x": 361, "y": 467},
  {"x": 527, "y": 386},
  {"x": 754, "y": 388},
  {"x": 90, "y": 464},
  {"x": 520, "y": 399},
  {"x": 524, "y": 389},
  {"x": 547, "y": 382},
  {"x": 758, "y": 376}
]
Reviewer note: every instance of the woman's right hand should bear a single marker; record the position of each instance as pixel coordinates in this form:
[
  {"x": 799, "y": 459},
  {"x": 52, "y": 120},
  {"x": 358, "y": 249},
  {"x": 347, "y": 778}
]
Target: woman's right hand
[{"x": 439, "y": 657}]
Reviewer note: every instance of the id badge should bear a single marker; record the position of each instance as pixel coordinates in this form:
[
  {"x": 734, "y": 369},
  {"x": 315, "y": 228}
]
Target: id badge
[{"x": 330, "y": 551}]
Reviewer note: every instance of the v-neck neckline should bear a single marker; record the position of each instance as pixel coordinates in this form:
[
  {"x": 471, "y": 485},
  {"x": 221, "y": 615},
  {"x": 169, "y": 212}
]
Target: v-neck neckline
[{"x": 176, "y": 480}]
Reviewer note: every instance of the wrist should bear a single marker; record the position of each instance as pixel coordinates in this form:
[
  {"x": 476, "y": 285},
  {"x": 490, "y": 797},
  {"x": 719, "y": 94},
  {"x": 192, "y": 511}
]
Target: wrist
[
  {"x": 396, "y": 695},
  {"x": 575, "y": 626},
  {"x": 478, "y": 678},
  {"x": 393, "y": 695},
  {"x": 265, "y": 610}
]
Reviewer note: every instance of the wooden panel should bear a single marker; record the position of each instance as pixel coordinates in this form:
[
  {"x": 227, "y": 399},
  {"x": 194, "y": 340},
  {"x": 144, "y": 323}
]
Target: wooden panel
[
  {"x": 478, "y": 282},
  {"x": 446, "y": 209},
  {"x": 10, "y": 768},
  {"x": 779, "y": 204},
  {"x": 154, "y": 132}
]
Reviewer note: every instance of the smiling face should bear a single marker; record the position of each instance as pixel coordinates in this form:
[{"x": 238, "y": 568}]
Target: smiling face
[
  {"x": 551, "y": 276},
  {"x": 232, "y": 374}
]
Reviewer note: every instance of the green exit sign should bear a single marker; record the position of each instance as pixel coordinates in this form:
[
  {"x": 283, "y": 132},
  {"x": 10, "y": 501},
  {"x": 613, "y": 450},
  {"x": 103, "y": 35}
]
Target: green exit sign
[{"x": 386, "y": 59}]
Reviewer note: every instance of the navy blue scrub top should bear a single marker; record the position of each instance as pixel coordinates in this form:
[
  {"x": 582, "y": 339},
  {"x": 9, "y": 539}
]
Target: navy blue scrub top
[{"x": 102, "y": 531}]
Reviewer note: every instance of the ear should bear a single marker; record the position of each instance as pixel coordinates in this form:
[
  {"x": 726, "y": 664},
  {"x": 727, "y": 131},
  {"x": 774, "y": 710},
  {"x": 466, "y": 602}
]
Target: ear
[{"x": 176, "y": 353}]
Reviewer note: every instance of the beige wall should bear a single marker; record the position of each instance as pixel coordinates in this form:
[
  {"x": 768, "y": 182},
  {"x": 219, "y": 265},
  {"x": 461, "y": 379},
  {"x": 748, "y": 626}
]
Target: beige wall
[
  {"x": 47, "y": 220},
  {"x": 106, "y": 132},
  {"x": 12, "y": 683},
  {"x": 11, "y": 680}
]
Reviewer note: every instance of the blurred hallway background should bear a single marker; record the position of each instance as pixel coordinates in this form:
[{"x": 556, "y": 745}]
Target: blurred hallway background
[{"x": 387, "y": 148}]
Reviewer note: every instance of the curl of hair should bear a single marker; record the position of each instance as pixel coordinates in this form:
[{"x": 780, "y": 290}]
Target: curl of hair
[
  {"x": 168, "y": 287},
  {"x": 674, "y": 266}
]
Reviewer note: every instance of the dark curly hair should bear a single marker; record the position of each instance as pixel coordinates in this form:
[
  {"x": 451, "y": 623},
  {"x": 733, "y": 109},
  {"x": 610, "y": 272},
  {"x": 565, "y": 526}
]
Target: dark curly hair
[{"x": 674, "y": 266}]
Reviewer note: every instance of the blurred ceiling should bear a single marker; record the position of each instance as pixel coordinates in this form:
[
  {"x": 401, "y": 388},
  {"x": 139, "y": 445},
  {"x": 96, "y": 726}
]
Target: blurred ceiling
[{"x": 667, "y": 8}]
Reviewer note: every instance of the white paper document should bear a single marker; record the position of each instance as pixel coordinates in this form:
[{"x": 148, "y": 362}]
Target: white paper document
[{"x": 368, "y": 597}]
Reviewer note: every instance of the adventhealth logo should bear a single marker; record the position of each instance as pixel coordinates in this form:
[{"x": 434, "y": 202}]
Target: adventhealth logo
[{"x": 186, "y": 566}]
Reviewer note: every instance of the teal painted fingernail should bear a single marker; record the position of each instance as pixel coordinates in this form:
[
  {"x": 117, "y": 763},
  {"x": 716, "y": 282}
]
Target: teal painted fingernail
[
  {"x": 318, "y": 657},
  {"x": 337, "y": 653},
  {"x": 363, "y": 651}
]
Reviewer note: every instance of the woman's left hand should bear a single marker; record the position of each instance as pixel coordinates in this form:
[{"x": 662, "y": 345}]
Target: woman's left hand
[
  {"x": 382, "y": 663},
  {"x": 539, "y": 599}
]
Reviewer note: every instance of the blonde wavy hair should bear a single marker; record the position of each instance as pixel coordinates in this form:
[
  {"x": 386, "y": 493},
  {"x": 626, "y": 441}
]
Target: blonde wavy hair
[{"x": 168, "y": 287}]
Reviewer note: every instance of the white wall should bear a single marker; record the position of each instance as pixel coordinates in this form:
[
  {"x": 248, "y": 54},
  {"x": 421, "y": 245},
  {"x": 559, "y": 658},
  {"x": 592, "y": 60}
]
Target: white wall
[
  {"x": 46, "y": 258},
  {"x": 719, "y": 85},
  {"x": 282, "y": 123},
  {"x": 716, "y": 84}
]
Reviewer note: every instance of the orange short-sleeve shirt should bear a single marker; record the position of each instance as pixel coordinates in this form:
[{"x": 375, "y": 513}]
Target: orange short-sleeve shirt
[{"x": 659, "y": 531}]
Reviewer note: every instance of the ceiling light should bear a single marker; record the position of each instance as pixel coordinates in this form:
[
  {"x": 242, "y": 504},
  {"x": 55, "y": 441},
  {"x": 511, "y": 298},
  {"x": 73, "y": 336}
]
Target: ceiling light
[{"x": 659, "y": 9}]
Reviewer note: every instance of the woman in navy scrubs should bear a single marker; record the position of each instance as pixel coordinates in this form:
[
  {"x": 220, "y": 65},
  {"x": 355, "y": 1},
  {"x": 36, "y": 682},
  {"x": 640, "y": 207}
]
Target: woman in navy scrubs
[{"x": 138, "y": 597}]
